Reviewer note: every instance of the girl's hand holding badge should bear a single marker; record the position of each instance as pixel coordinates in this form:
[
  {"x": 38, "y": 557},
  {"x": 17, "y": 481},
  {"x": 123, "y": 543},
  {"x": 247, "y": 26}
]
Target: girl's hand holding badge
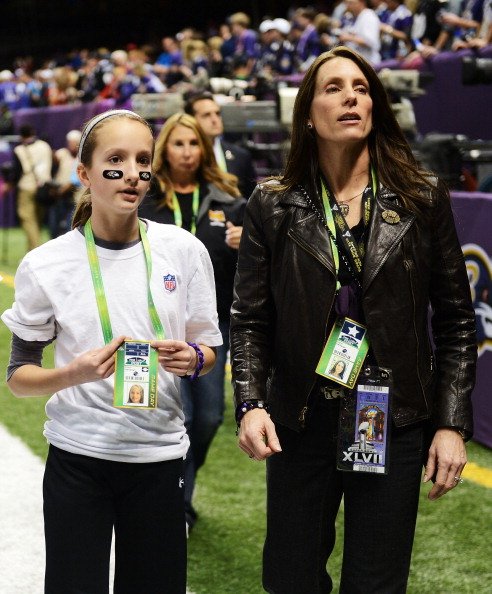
[
  {"x": 179, "y": 357},
  {"x": 95, "y": 364}
]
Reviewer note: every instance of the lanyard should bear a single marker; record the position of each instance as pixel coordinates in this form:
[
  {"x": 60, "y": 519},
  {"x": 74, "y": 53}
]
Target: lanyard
[
  {"x": 178, "y": 217},
  {"x": 335, "y": 220},
  {"x": 97, "y": 281}
]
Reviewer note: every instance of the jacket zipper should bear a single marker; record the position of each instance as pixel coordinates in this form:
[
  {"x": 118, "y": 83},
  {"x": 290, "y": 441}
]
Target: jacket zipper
[
  {"x": 408, "y": 266},
  {"x": 305, "y": 408},
  {"x": 307, "y": 248}
]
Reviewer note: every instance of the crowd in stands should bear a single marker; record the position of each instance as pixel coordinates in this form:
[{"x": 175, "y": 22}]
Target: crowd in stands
[{"x": 406, "y": 30}]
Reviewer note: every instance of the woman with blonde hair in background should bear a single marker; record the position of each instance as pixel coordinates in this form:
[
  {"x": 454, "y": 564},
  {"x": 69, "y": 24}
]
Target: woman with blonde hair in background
[{"x": 192, "y": 192}]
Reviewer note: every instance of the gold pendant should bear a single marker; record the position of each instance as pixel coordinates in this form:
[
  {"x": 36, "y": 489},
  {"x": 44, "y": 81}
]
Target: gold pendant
[{"x": 344, "y": 208}]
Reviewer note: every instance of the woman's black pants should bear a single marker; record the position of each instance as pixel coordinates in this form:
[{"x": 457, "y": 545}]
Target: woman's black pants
[{"x": 305, "y": 490}]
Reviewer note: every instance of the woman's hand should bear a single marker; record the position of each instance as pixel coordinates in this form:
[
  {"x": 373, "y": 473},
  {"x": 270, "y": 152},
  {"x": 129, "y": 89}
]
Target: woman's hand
[
  {"x": 257, "y": 435},
  {"x": 233, "y": 235},
  {"x": 176, "y": 356},
  {"x": 447, "y": 458}
]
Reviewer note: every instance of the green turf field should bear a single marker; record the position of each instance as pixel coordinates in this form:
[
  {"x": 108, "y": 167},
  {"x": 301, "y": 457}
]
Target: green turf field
[{"x": 453, "y": 547}]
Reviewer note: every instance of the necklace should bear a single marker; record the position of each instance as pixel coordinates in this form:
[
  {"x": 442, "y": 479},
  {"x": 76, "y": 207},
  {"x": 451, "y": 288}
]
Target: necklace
[{"x": 344, "y": 206}]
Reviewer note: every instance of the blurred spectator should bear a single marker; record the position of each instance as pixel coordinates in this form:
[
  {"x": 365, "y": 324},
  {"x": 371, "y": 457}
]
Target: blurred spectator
[
  {"x": 164, "y": 59},
  {"x": 245, "y": 39},
  {"x": 169, "y": 64},
  {"x": 33, "y": 161},
  {"x": 96, "y": 74},
  {"x": 338, "y": 13},
  {"x": 308, "y": 45},
  {"x": 328, "y": 30},
  {"x": 127, "y": 77},
  {"x": 62, "y": 89},
  {"x": 428, "y": 35},
  {"x": 8, "y": 90},
  {"x": 195, "y": 54},
  {"x": 363, "y": 34},
  {"x": 228, "y": 42},
  {"x": 381, "y": 9},
  {"x": 6, "y": 123},
  {"x": 216, "y": 64},
  {"x": 230, "y": 157},
  {"x": 277, "y": 54},
  {"x": 484, "y": 36},
  {"x": 467, "y": 24},
  {"x": 67, "y": 182},
  {"x": 395, "y": 31}
]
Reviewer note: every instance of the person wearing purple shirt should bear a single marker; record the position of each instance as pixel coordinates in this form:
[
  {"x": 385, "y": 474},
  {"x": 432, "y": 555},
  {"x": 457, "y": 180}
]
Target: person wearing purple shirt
[
  {"x": 246, "y": 39},
  {"x": 308, "y": 46},
  {"x": 395, "y": 33}
]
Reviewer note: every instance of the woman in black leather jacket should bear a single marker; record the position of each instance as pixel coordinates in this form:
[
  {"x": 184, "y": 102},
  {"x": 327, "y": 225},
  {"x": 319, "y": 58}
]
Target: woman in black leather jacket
[{"x": 353, "y": 229}]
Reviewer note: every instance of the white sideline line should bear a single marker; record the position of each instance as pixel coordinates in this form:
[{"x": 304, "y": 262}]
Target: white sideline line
[
  {"x": 22, "y": 550},
  {"x": 21, "y": 518}
]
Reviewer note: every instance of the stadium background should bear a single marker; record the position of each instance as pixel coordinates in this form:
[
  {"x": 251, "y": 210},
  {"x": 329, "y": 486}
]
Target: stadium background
[{"x": 453, "y": 546}]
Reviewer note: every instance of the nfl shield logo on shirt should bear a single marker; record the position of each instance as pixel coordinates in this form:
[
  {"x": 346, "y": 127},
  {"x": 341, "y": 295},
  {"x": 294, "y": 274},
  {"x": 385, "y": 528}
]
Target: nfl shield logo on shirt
[{"x": 170, "y": 282}]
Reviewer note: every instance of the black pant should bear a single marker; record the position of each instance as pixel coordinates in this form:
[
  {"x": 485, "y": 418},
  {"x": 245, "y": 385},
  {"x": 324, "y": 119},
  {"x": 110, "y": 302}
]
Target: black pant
[
  {"x": 304, "y": 494},
  {"x": 85, "y": 498}
]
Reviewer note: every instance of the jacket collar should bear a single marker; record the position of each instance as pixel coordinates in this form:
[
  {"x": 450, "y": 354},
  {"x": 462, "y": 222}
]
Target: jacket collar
[
  {"x": 385, "y": 231},
  {"x": 309, "y": 231}
]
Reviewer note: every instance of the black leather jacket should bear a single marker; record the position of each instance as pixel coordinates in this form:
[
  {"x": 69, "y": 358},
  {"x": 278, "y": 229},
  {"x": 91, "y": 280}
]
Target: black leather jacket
[{"x": 285, "y": 288}]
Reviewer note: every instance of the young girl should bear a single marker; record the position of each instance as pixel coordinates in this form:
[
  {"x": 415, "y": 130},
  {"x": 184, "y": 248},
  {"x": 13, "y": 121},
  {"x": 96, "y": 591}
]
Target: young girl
[{"x": 114, "y": 277}]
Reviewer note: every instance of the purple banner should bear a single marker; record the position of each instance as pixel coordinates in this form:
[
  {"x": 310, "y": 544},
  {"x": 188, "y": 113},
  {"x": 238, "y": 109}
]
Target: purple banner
[
  {"x": 473, "y": 215},
  {"x": 53, "y": 123}
]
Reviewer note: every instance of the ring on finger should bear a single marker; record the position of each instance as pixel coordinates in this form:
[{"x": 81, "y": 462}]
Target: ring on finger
[{"x": 458, "y": 479}]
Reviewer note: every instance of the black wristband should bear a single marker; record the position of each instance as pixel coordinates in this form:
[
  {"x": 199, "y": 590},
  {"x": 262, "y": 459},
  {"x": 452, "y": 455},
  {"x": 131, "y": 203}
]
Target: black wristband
[{"x": 244, "y": 407}]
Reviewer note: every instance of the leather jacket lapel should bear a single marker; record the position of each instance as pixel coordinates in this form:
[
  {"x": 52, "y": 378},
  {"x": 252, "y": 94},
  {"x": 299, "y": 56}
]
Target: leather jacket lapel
[
  {"x": 384, "y": 236},
  {"x": 307, "y": 230}
]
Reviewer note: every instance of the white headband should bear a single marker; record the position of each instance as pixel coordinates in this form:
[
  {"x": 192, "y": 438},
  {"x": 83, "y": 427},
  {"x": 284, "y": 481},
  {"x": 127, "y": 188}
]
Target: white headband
[{"x": 96, "y": 120}]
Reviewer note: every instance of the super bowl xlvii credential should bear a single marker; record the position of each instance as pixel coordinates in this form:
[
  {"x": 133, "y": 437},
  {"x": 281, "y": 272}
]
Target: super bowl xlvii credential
[{"x": 363, "y": 435}]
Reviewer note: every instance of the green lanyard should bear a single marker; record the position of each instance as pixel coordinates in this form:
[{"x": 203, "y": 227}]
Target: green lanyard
[
  {"x": 97, "y": 281},
  {"x": 331, "y": 226},
  {"x": 330, "y": 220},
  {"x": 178, "y": 217}
]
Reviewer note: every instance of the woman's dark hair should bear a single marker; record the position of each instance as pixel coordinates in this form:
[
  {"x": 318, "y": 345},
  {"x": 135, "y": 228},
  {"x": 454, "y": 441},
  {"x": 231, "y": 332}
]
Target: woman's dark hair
[
  {"x": 334, "y": 368},
  {"x": 389, "y": 150}
]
